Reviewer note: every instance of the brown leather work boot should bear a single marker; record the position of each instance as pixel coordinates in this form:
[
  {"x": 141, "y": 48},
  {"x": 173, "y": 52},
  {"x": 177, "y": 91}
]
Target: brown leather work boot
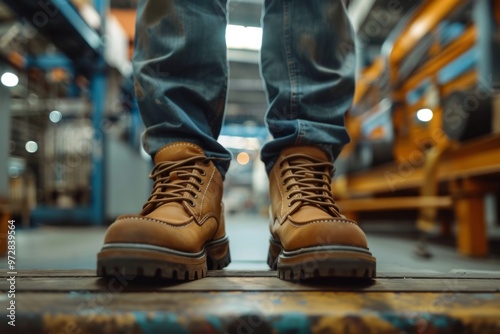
[
  {"x": 180, "y": 232},
  {"x": 309, "y": 237}
]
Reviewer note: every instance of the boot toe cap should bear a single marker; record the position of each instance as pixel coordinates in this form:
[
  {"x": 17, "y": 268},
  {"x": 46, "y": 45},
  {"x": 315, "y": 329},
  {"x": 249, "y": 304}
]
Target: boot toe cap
[
  {"x": 144, "y": 230},
  {"x": 342, "y": 232}
]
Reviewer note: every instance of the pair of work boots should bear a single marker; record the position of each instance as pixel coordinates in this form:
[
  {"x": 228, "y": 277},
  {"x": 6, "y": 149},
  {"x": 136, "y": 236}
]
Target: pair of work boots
[{"x": 180, "y": 233}]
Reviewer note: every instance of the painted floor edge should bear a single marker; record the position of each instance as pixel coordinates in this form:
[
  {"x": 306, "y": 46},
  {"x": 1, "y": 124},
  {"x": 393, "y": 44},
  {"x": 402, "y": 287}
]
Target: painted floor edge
[{"x": 140, "y": 322}]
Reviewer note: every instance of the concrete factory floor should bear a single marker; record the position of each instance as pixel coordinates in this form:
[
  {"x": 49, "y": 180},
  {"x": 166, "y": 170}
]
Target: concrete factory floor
[{"x": 52, "y": 247}]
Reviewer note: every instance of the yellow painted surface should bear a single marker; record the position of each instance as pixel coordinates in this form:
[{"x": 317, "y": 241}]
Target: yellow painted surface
[
  {"x": 84, "y": 322},
  {"x": 4, "y": 217}
]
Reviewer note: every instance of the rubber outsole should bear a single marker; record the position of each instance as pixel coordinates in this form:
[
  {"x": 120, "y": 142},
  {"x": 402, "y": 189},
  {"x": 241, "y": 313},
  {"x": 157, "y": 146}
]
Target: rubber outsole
[
  {"x": 321, "y": 262},
  {"x": 147, "y": 263}
]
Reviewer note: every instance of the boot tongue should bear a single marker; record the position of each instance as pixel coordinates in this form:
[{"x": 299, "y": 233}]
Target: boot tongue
[
  {"x": 313, "y": 152},
  {"x": 176, "y": 211},
  {"x": 177, "y": 151},
  {"x": 309, "y": 210}
]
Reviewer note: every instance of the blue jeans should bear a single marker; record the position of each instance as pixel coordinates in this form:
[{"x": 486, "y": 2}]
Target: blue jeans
[{"x": 307, "y": 63}]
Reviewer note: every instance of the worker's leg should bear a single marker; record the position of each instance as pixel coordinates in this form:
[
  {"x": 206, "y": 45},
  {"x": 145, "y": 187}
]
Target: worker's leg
[
  {"x": 181, "y": 73},
  {"x": 181, "y": 76},
  {"x": 308, "y": 68},
  {"x": 308, "y": 64}
]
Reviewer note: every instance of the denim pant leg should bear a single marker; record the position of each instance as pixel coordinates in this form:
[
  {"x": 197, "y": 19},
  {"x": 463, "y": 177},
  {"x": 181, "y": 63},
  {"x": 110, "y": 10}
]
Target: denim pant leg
[
  {"x": 308, "y": 64},
  {"x": 181, "y": 75}
]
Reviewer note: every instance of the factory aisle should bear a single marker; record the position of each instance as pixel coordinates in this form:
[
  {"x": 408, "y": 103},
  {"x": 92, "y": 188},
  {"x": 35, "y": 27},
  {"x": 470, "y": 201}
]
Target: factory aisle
[{"x": 50, "y": 247}]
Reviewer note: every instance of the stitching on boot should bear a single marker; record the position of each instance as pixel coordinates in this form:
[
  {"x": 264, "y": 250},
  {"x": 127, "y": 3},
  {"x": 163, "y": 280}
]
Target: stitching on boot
[
  {"x": 205, "y": 192},
  {"x": 324, "y": 221},
  {"x": 155, "y": 221},
  {"x": 278, "y": 184}
]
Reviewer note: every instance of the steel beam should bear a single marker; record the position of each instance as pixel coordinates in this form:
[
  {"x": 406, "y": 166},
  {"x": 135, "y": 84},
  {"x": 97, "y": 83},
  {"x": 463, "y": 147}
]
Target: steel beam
[
  {"x": 4, "y": 140},
  {"x": 488, "y": 42},
  {"x": 61, "y": 23},
  {"x": 476, "y": 158},
  {"x": 98, "y": 91},
  {"x": 49, "y": 61}
]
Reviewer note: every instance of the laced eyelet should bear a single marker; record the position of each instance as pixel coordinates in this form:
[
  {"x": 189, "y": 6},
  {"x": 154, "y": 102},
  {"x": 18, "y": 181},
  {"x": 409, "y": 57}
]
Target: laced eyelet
[
  {"x": 288, "y": 197},
  {"x": 192, "y": 204},
  {"x": 206, "y": 162},
  {"x": 201, "y": 182},
  {"x": 202, "y": 173},
  {"x": 195, "y": 196}
]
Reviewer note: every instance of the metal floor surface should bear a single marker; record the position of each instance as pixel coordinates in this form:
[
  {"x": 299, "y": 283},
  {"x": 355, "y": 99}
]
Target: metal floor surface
[{"x": 446, "y": 294}]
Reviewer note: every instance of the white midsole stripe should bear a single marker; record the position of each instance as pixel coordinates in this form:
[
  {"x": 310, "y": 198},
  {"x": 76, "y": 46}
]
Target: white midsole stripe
[{"x": 161, "y": 249}]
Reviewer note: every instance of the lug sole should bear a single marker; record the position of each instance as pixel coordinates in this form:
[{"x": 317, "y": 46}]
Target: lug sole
[
  {"x": 327, "y": 263},
  {"x": 148, "y": 263}
]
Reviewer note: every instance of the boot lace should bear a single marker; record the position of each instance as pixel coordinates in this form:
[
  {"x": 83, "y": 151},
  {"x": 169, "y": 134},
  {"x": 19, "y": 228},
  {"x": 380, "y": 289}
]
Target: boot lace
[
  {"x": 173, "y": 180},
  {"x": 311, "y": 179}
]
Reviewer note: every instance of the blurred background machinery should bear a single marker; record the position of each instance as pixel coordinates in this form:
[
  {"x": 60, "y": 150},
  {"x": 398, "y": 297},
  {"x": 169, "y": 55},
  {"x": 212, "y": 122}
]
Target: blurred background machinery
[{"x": 425, "y": 122}]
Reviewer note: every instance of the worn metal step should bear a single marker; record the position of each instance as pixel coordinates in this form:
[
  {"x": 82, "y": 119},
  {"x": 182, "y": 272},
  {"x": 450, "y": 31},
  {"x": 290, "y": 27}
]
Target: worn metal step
[{"x": 253, "y": 302}]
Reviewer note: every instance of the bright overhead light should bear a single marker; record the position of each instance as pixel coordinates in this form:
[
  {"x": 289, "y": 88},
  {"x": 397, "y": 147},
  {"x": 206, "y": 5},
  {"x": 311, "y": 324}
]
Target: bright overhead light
[
  {"x": 9, "y": 79},
  {"x": 55, "y": 116},
  {"x": 243, "y": 158},
  {"x": 240, "y": 37},
  {"x": 239, "y": 143},
  {"x": 31, "y": 146},
  {"x": 424, "y": 115},
  {"x": 13, "y": 171}
]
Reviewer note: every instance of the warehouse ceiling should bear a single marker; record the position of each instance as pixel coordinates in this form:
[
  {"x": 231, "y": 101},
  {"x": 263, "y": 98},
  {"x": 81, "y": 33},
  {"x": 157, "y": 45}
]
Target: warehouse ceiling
[
  {"x": 373, "y": 19},
  {"x": 246, "y": 98},
  {"x": 243, "y": 12}
]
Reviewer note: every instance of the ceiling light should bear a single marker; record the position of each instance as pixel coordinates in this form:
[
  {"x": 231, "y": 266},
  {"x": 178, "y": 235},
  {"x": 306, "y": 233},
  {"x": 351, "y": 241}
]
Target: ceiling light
[
  {"x": 243, "y": 158},
  {"x": 239, "y": 143},
  {"x": 424, "y": 115},
  {"x": 55, "y": 116},
  {"x": 240, "y": 37},
  {"x": 31, "y": 146},
  {"x": 9, "y": 79}
]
